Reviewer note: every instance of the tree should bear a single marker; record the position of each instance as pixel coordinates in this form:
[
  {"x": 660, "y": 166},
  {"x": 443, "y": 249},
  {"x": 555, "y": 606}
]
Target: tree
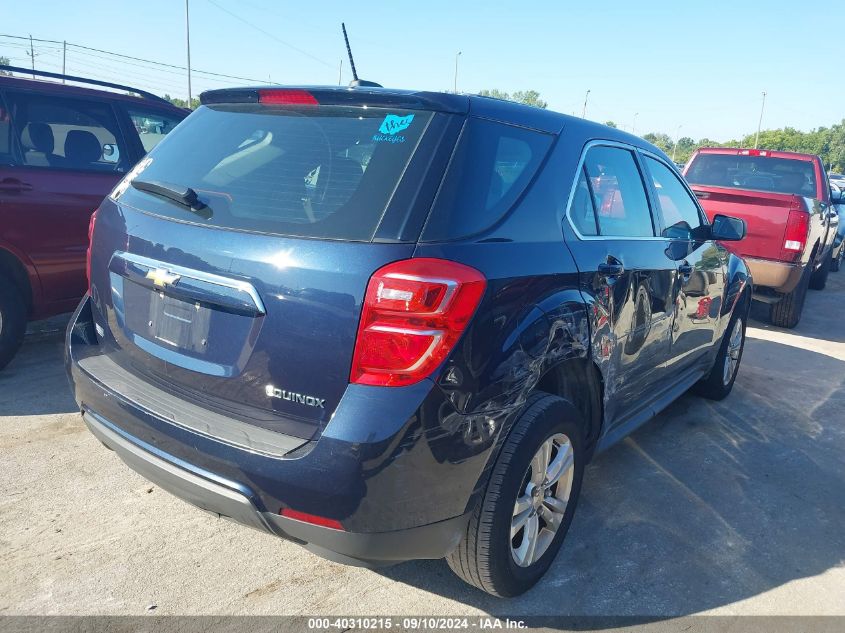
[
  {"x": 611, "y": 124},
  {"x": 182, "y": 103},
  {"x": 4, "y": 61},
  {"x": 528, "y": 97}
]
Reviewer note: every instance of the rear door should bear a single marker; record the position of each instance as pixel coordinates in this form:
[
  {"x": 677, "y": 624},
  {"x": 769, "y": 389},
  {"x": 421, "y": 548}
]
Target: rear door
[
  {"x": 627, "y": 275},
  {"x": 248, "y": 303},
  {"x": 699, "y": 286},
  {"x": 69, "y": 155}
]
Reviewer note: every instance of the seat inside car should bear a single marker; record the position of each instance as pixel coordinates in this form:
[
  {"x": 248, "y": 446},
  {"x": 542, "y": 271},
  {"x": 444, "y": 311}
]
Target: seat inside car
[
  {"x": 81, "y": 149},
  {"x": 38, "y": 144}
]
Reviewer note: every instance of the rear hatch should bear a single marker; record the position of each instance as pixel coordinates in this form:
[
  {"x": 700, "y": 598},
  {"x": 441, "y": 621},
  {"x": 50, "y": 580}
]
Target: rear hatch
[
  {"x": 230, "y": 266},
  {"x": 761, "y": 190}
]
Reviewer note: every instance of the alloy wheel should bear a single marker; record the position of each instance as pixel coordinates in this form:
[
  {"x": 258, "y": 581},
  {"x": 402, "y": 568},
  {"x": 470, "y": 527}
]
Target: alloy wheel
[
  {"x": 542, "y": 501},
  {"x": 733, "y": 352}
]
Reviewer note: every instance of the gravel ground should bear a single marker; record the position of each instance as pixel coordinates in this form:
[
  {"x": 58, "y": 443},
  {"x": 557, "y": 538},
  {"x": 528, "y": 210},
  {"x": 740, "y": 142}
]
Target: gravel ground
[{"x": 733, "y": 508}]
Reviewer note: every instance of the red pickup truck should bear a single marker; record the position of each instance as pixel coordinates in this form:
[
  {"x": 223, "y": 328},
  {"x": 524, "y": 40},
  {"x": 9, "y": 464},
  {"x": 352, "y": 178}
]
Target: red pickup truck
[{"x": 785, "y": 200}]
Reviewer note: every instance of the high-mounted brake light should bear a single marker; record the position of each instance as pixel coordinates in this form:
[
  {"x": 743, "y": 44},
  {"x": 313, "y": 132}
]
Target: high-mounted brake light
[
  {"x": 753, "y": 152},
  {"x": 795, "y": 235},
  {"x": 91, "y": 224},
  {"x": 286, "y": 97},
  {"x": 415, "y": 310},
  {"x": 313, "y": 519}
]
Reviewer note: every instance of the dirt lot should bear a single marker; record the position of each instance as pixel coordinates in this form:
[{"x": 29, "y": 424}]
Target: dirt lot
[{"x": 735, "y": 508}]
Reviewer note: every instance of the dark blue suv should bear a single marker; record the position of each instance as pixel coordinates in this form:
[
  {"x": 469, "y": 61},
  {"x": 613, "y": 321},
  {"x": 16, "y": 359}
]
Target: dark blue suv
[{"x": 395, "y": 325}]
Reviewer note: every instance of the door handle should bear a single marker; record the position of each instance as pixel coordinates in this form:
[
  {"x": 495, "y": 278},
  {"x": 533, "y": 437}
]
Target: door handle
[
  {"x": 611, "y": 268},
  {"x": 685, "y": 269},
  {"x": 13, "y": 185}
]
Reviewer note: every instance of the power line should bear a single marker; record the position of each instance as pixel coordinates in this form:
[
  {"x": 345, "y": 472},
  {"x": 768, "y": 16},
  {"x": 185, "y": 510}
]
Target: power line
[{"x": 138, "y": 59}]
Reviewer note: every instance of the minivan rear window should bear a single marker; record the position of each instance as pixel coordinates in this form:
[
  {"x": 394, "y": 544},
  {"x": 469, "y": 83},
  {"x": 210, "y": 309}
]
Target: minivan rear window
[
  {"x": 760, "y": 173},
  {"x": 314, "y": 171}
]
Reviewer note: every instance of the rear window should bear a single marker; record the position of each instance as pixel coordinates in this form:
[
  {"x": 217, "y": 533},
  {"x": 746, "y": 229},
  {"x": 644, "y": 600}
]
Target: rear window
[
  {"x": 323, "y": 172},
  {"x": 492, "y": 165},
  {"x": 760, "y": 173}
]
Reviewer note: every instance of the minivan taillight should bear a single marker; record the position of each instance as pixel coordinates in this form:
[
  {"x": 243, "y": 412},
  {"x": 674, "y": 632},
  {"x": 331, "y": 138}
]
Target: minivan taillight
[
  {"x": 414, "y": 312},
  {"x": 795, "y": 235},
  {"x": 91, "y": 224}
]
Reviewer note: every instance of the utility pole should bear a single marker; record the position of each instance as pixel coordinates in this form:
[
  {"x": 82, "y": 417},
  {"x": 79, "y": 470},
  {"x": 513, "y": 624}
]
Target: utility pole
[
  {"x": 634, "y": 126},
  {"x": 456, "y": 71},
  {"x": 32, "y": 54},
  {"x": 188, "y": 44},
  {"x": 340, "y": 72},
  {"x": 760, "y": 123},
  {"x": 64, "y": 59},
  {"x": 584, "y": 109},
  {"x": 677, "y": 138}
]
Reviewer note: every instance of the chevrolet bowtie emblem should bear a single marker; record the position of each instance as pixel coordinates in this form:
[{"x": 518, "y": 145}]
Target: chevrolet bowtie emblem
[{"x": 161, "y": 277}]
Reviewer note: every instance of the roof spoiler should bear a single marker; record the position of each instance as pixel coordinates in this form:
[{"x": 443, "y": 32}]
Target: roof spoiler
[{"x": 95, "y": 82}]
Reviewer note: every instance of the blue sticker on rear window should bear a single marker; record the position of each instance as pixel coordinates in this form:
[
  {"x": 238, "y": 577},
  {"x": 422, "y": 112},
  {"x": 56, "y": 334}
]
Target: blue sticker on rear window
[{"x": 390, "y": 128}]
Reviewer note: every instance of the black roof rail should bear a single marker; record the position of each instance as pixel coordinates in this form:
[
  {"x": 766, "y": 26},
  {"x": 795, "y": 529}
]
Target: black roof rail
[{"x": 96, "y": 82}]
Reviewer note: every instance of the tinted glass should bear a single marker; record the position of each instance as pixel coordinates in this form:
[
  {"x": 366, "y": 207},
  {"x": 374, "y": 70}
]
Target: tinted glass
[
  {"x": 761, "y": 173},
  {"x": 581, "y": 211},
  {"x": 321, "y": 171},
  {"x": 6, "y": 157},
  {"x": 65, "y": 133},
  {"x": 618, "y": 192},
  {"x": 680, "y": 212},
  {"x": 152, "y": 126},
  {"x": 492, "y": 166}
]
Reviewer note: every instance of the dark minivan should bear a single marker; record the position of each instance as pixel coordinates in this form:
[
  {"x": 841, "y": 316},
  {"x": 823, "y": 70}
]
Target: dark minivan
[{"x": 394, "y": 325}]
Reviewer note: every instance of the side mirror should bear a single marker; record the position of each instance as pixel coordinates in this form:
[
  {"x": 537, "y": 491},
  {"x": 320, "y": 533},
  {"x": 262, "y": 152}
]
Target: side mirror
[
  {"x": 727, "y": 229},
  {"x": 837, "y": 196}
]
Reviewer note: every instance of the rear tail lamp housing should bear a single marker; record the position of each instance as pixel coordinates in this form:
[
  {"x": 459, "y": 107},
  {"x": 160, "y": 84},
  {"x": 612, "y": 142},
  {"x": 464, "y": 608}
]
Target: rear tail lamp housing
[
  {"x": 91, "y": 223},
  {"x": 795, "y": 235},
  {"x": 414, "y": 313}
]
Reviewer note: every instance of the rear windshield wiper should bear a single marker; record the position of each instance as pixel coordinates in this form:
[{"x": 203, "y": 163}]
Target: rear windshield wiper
[{"x": 184, "y": 196}]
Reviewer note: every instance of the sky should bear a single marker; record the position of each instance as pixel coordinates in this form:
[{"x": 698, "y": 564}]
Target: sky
[{"x": 687, "y": 68}]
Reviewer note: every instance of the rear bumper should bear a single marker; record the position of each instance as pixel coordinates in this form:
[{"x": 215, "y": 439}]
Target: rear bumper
[
  {"x": 400, "y": 482},
  {"x": 774, "y": 275},
  {"x": 230, "y": 500}
]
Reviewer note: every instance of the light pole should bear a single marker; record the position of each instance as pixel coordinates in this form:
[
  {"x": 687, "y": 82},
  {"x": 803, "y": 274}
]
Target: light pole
[
  {"x": 634, "y": 126},
  {"x": 188, "y": 46},
  {"x": 456, "y": 71},
  {"x": 584, "y": 109},
  {"x": 760, "y": 123},
  {"x": 677, "y": 138}
]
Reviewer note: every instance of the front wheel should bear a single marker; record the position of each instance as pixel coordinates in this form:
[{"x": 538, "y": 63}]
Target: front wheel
[
  {"x": 719, "y": 383},
  {"x": 836, "y": 263},
  {"x": 12, "y": 320},
  {"x": 521, "y": 521}
]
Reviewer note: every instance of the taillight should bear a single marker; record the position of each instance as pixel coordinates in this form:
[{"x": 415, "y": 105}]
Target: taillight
[
  {"x": 286, "y": 97},
  {"x": 91, "y": 224},
  {"x": 795, "y": 235},
  {"x": 753, "y": 152},
  {"x": 414, "y": 312}
]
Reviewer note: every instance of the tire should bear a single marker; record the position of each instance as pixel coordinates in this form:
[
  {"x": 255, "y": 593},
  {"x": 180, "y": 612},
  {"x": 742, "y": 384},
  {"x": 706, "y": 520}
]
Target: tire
[
  {"x": 12, "y": 320},
  {"x": 486, "y": 556},
  {"x": 787, "y": 312},
  {"x": 836, "y": 262},
  {"x": 720, "y": 381},
  {"x": 819, "y": 277}
]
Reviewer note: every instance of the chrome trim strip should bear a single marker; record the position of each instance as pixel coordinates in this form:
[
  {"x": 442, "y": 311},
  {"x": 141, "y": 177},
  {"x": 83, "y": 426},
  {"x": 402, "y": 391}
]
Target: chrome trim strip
[{"x": 187, "y": 273}]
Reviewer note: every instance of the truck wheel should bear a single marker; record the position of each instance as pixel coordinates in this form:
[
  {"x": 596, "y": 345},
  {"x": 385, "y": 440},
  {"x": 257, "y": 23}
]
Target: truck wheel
[
  {"x": 719, "y": 383},
  {"x": 518, "y": 526},
  {"x": 836, "y": 262},
  {"x": 819, "y": 278},
  {"x": 787, "y": 312},
  {"x": 12, "y": 320}
]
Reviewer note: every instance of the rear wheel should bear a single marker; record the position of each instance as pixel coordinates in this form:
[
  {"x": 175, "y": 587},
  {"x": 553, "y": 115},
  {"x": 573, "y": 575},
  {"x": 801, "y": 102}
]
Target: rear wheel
[
  {"x": 787, "y": 312},
  {"x": 836, "y": 262},
  {"x": 519, "y": 525},
  {"x": 12, "y": 320},
  {"x": 819, "y": 278}
]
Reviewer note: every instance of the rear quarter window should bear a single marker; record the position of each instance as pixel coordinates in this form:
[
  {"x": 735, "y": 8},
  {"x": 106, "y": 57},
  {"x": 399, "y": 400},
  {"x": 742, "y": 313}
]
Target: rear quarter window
[{"x": 492, "y": 165}]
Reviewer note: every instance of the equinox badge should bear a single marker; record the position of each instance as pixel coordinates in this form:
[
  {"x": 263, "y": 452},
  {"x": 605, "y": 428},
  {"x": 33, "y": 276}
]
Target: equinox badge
[{"x": 301, "y": 398}]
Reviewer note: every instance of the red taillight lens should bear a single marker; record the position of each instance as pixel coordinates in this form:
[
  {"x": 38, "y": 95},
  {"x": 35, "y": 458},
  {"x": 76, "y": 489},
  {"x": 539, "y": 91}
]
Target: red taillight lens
[
  {"x": 414, "y": 312},
  {"x": 795, "y": 235},
  {"x": 313, "y": 519},
  {"x": 286, "y": 97},
  {"x": 91, "y": 224}
]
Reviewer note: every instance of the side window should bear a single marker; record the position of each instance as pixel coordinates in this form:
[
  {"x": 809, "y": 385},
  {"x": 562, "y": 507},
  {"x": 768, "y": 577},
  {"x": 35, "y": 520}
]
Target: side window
[
  {"x": 680, "y": 211},
  {"x": 152, "y": 126},
  {"x": 66, "y": 133},
  {"x": 581, "y": 211},
  {"x": 6, "y": 157},
  {"x": 618, "y": 193}
]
